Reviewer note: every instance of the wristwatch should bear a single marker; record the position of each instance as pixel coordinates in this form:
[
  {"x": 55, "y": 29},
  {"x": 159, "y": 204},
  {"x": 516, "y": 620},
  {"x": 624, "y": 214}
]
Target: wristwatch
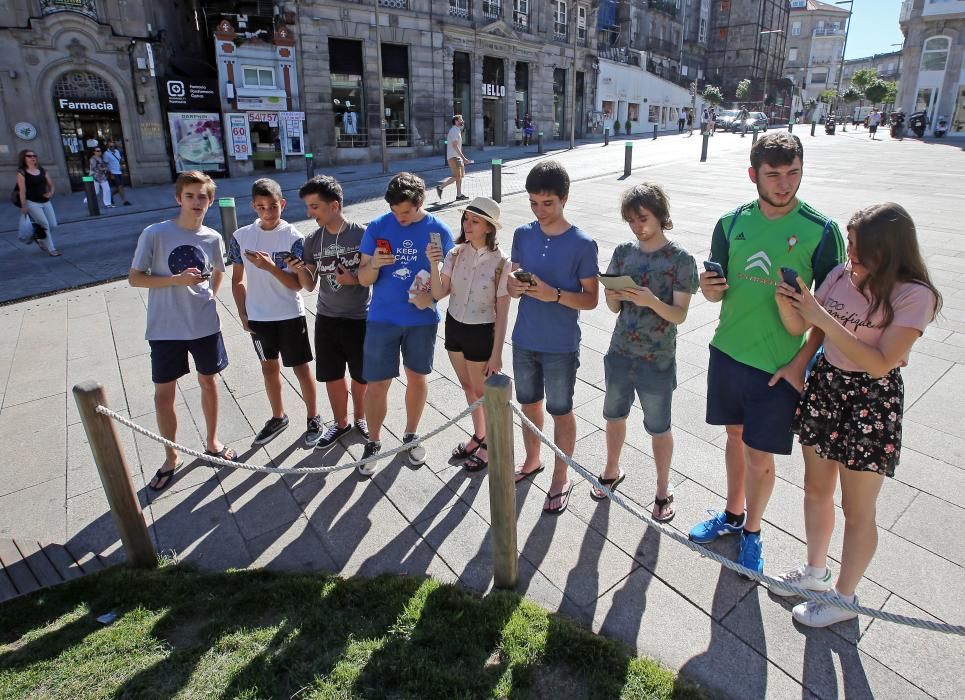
[{"x": 559, "y": 293}]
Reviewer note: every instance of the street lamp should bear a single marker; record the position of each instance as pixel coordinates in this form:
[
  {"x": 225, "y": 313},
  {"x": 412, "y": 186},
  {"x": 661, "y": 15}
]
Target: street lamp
[{"x": 847, "y": 28}]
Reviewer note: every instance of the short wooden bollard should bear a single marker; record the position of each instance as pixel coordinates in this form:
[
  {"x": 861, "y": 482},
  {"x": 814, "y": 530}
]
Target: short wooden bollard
[
  {"x": 703, "y": 147},
  {"x": 627, "y": 158},
  {"x": 112, "y": 467},
  {"x": 497, "y": 179},
  {"x": 502, "y": 487}
]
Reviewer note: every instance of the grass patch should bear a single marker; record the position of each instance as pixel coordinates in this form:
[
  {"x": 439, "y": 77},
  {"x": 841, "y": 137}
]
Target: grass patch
[{"x": 262, "y": 634}]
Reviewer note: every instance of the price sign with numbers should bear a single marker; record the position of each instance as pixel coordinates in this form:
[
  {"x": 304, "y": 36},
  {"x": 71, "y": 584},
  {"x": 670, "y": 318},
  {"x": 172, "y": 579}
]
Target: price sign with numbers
[{"x": 239, "y": 136}]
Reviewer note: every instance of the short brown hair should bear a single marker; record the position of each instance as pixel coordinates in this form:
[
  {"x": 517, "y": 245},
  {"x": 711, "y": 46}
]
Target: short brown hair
[
  {"x": 266, "y": 187},
  {"x": 406, "y": 187},
  {"x": 776, "y": 148},
  {"x": 194, "y": 177},
  {"x": 649, "y": 196}
]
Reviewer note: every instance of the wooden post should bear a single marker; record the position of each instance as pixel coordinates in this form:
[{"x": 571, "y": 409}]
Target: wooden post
[
  {"x": 502, "y": 487},
  {"x": 112, "y": 467}
]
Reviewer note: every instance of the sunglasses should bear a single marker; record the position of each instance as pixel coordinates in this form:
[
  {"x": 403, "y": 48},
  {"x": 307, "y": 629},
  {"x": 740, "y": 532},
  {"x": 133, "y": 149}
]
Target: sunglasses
[{"x": 29, "y": 155}]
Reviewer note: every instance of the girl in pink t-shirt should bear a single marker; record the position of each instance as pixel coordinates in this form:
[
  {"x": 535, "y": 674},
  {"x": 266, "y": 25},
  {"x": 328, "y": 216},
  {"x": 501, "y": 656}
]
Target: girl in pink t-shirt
[{"x": 867, "y": 313}]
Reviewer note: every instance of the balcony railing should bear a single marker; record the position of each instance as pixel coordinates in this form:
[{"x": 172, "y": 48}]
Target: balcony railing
[
  {"x": 521, "y": 21},
  {"x": 620, "y": 54},
  {"x": 395, "y": 4},
  {"x": 581, "y": 36},
  {"x": 559, "y": 31},
  {"x": 667, "y": 6},
  {"x": 459, "y": 8},
  {"x": 828, "y": 31},
  {"x": 492, "y": 9},
  {"x": 663, "y": 47},
  {"x": 82, "y": 7}
]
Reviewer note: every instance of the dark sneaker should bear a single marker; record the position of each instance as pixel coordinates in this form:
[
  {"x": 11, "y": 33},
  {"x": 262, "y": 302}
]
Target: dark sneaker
[
  {"x": 314, "y": 431},
  {"x": 272, "y": 428},
  {"x": 372, "y": 448},
  {"x": 333, "y": 433},
  {"x": 417, "y": 453},
  {"x": 462, "y": 196},
  {"x": 439, "y": 191},
  {"x": 362, "y": 426}
]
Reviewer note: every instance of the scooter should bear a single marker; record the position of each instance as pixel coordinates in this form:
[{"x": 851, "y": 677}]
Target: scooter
[
  {"x": 897, "y": 125},
  {"x": 829, "y": 125},
  {"x": 917, "y": 123},
  {"x": 941, "y": 128}
]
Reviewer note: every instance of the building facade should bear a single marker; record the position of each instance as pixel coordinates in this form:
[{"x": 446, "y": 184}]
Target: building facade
[
  {"x": 933, "y": 62},
  {"x": 815, "y": 46},
  {"x": 492, "y": 61}
]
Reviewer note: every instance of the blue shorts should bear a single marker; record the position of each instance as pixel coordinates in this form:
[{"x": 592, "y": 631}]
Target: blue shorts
[
  {"x": 169, "y": 358},
  {"x": 553, "y": 371},
  {"x": 738, "y": 394},
  {"x": 380, "y": 354},
  {"x": 653, "y": 382}
]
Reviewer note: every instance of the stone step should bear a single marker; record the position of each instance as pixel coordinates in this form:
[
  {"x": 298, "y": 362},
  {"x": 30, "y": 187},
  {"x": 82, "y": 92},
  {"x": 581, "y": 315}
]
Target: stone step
[{"x": 27, "y": 565}]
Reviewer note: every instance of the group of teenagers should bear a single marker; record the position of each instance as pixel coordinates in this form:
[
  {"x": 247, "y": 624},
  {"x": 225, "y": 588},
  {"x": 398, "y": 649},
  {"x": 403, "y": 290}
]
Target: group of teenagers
[{"x": 784, "y": 361}]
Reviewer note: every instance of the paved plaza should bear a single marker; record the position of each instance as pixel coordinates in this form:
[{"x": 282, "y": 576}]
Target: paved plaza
[{"x": 596, "y": 563}]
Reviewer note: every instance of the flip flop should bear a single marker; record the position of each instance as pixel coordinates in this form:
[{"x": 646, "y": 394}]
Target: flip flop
[
  {"x": 54, "y": 253},
  {"x": 519, "y": 474},
  {"x": 224, "y": 453},
  {"x": 166, "y": 474},
  {"x": 564, "y": 497},
  {"x": 475, "y": 463},
  {"x": 609, "y": 483},
  {"x": 660, "y": 504}
]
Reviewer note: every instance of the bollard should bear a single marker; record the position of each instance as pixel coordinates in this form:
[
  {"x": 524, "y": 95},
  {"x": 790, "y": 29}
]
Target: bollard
[
  {"x": 539, "y": 143},
  {"x": 790, "y": 127},
  {"x": 606, "y": 136},
  {"x": 115, "y": 477},
  {"x": 703, "y": 147},
  {"x": 744, "y": 130},
  {"x": 627, "y": 159},
  {"x": 497, "y": 166},
  {"x": 813, "y": 126},
  {"x": 844, "y": 126},
  {"x": 502, "y": 487},
  {"x": 93, "y": 207},
  {"x": 754, "y": 136},
  {"x": 445, "y": 151},
  {"x": 654, "y": 132},
  {"x": 229, "y": 220},
  {"x": 310, "y": 165}
]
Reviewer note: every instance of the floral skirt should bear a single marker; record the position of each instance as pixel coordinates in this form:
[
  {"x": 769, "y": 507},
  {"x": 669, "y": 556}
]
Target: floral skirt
[{"x": 852, "y": 417}]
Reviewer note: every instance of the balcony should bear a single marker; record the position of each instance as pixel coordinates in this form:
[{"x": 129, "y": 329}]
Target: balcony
[
  {"x": 521, "y": 21},
  {"x": 560, "y": 31},
  {"x": 620, "y": 55},
  {"x": 827, "y": 31},
  {"x": 459, "y": 8},
  {"x": 81, "y": 7},
  {"x": 666, "y": 6},
  {"x": 663, "y": 47},
  {"x": 905, "y": 14},
  {"x": 395, "y": 4},
  {"x": 493, "y": 9}
]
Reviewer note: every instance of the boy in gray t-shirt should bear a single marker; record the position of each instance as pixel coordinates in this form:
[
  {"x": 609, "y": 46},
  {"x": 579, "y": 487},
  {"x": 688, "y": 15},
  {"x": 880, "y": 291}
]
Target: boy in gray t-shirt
[
  {"x": 330, "y": 260},
  {"x": 181, "y": 262}
]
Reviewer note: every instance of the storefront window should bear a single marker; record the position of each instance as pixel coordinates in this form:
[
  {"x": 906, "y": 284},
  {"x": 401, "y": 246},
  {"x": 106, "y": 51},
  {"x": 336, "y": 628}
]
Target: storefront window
[
  {"x": 395, "y": 93},
  {"x": 633, "y": 112},
  {"x": 348, "y": 105},
  {"x": 494, "y": 101},
  {"x": 522, "y": 93},
  {"x": 462, "y": 94},
  {"x": 559, "y": 102}
]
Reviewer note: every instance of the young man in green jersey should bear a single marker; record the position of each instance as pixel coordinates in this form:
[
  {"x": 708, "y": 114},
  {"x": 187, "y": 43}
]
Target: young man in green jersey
[{"x": 751, "y": 389}]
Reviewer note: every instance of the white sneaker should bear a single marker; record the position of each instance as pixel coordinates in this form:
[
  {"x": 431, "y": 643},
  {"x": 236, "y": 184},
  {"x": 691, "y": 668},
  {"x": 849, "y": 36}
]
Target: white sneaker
[
  {"x": 372, "y": 448},
  {"x": 417, "y": 453},
  {"x": 815, "y": 614},
  {"x": 803, "y": 578}
]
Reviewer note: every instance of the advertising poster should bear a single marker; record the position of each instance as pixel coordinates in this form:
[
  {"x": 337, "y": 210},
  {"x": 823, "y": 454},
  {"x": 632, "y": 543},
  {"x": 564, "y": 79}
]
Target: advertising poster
[
  {"x": 197, "y": 141},
  {"x": 239, "y": 136}
]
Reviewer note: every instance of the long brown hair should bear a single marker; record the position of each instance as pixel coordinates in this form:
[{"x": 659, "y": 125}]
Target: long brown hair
[
  {"x": 888, "y": 246},
  {"x": 491, "y": 241},
  {"x": 22, "y": 158}
]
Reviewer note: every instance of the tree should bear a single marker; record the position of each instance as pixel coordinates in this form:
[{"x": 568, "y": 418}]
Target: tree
[
  {"x": 863, "y": 77},
  {"x": 877, "y": 91},
  {"x": 851, "y": 95},
  {"x": 743, "y": 89},
  {"x": 892, "y": 96},
  {"x": 712, "y": 95},
  {"x": 828, "y": 96}
]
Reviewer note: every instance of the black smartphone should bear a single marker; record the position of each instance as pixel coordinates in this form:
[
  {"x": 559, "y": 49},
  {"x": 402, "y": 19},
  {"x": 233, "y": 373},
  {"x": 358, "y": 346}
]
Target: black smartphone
[
  {"x": 289, "y": 258},
  {"x": 790, "y": 278},
  {"x": 250, "y": 252},
  {"x": 714, "y": 267},
  {"x": 205, "y": 275},
  {"x": 524, "y": 276}
]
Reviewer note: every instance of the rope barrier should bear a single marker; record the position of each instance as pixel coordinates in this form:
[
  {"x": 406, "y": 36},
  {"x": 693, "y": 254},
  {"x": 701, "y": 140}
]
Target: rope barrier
[
  {"x": 828, "y": 598},
  {"x": 213, "y": 460}
]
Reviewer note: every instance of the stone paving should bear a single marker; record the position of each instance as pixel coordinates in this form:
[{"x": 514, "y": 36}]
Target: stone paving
[{"x": 595, "y": 564}]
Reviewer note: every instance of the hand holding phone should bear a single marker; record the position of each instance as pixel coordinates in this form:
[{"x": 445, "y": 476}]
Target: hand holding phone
[
  {"x": 435, "y": 238},
  {"x": 525, "y": 277},
  {"x": 714, "y": 267},
  {"x": 383, "y": 246},
  {"x": 790, "y": 278}
]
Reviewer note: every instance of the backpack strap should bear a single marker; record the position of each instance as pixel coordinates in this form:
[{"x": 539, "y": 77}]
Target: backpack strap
[
  {"x": 733, "y": 222},
  {"x": 824, "y": 237},
  {"x": 499, "y": 273}
]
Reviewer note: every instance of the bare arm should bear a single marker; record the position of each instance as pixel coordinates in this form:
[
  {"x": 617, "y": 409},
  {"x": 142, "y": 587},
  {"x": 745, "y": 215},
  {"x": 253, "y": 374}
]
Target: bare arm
[
  {"x": 263, "y": 261},
  {"x": 440, "y": 285},
  {"x": 712, "y": 286},
  {"x": 239, "y": 290},
  {"x": 370, "y": 265},
  {"x": 495, "y": 364},
  {"x": 138, "y": 278},
  {"x": 794, "y": 370},
  {"x": 22, "y": 187},
  {"x": 675, "y": 313},
  {"x": 50, "y": 186}
]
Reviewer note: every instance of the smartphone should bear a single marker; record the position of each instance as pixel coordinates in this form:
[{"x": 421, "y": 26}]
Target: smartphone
[
  {"x": 383, "y": 246},
  {"x": 714, "y": 267},
  {"x": 205, "y": 275},
  {"x": 435, "y": 238},
  {"x": 250, "y": 252},
  {"x": 524, "y": 276},
  {"x": 289, "y": 258},
  {"x": 790, "y": 278}
]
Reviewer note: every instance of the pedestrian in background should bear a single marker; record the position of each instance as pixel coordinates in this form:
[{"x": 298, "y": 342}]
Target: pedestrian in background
[
  {"x": 35, "y": 190},
  {"x": 97, "y": 169},
  {"x": 115, "y": 173}
]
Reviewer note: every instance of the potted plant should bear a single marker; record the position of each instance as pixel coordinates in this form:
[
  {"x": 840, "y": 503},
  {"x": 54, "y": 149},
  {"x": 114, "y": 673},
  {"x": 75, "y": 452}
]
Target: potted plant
[
  {"x": 616, "y": 126},
  {"x": 626, "y": 126}
]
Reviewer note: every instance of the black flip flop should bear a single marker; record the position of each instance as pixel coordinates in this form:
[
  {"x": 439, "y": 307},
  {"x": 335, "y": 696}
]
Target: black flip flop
[
  {"x": 609, "y": 483},
  {"x": 223, "y": 453},
  {"x": 461, "y": 452},
  {"x": 564, "y": 497},
  {"x": 520, "y": 475},
  {"x": 166, "y": 474},
  {"x": 662, "y": 503}
]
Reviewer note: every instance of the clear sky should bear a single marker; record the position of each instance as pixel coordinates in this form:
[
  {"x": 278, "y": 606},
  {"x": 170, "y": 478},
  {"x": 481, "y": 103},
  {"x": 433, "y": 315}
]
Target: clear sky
[{"x": 874, "y": 27}]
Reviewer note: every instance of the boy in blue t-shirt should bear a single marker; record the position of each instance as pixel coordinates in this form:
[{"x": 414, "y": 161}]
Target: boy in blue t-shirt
[
  {"x": 558, "y": 266},
  {"x": 642, "y": 355},
  {"x": 401, "y": 316}
]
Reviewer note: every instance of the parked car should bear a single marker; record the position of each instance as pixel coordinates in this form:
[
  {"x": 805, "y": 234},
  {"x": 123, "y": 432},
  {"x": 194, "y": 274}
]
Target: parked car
[
  {"x": 758, "y": 119},
  {"x": 725, "y": 118}
]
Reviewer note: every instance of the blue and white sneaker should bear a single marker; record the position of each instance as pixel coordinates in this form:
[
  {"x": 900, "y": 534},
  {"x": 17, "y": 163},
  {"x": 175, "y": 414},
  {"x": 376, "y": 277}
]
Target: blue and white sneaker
[
  {"x": 751, "y": 555},
  {"x": 717, "y": 526}
]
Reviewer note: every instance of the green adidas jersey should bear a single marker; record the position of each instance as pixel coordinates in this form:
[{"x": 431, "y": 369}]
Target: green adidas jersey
[{"x": 752, "y": 250}]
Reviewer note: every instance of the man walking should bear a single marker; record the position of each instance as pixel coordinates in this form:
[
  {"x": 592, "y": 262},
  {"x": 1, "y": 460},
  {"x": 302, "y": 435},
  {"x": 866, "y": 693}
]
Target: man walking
[
  {"x": 456, "y": 158},
  {"x": 874, "y": 119},
  {"x": 115, "y": 175},
  {"x": 681, "y": 120},
  {"x": 752, "y": 389}
]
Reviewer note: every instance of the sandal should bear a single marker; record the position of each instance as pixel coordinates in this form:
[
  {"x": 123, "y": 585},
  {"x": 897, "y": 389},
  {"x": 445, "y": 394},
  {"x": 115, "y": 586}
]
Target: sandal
[
  {"x": 563, "y": 496},
  {"x": 475, "y": 463},
  {"x": 224, "y": 453},
  {"x": 54, "y": 253},
  {"x": 463, "y": 451},
  {"x": 661, "y": 506},
  {"x": 611, "y": 484},
  {"x": 519, "y": 474},
  {"x": 162, "y": 477}
]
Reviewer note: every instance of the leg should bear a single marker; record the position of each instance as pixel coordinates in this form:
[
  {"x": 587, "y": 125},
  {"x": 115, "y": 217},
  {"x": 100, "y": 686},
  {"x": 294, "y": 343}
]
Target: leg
[
  {"x": 616, "y": 435},
  {"x": 564, "y": 435},
  {"x": 759, "y": 483},
  {"x": 663, "y": 455},
  {"x": 271, "y": 373},
  {"x": 376, "y": 405},
  {"x": 531, "y": 443},
  {"x": 43, "y": 214},
  {"x": 859, "y": 496},
  {"x": 358, "y": 399},
  {"x": 734, "y": 461},
  {"x": 106, "y": 192},
  {"x": 820, "y": 480},
  {"x": 416, "y": 391},
  {"x": 338, "y": 400},
  {"x": 470, "y": 375},
  {"x": 306, "y": 383},
  {"x": 458, "y": 179},
  {"x": 209, "y": 407},
  {"x": 167, "y": 418}
]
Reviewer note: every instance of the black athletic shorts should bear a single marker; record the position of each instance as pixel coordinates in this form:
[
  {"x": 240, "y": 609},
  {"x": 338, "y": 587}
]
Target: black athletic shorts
[
  {"x": 288, "y": 338},
  {"x": 473, "y": 340},
  {"x": 339, "y": 343}
]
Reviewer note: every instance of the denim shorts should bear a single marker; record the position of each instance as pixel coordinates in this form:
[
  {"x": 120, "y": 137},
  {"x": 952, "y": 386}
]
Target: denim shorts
[
  {"x": 383, "y": 341},
  {"x": 554, "y": 372},
  {"x": 738, "y": 394},
  {"x": 169, "y": 358},
  {"x": 653, "y": 383}
]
